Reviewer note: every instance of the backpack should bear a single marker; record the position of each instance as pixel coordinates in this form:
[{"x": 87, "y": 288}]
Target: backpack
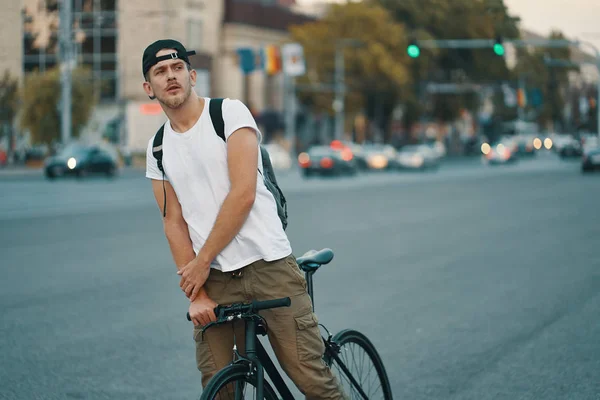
[{"x": 268, "y": 174}]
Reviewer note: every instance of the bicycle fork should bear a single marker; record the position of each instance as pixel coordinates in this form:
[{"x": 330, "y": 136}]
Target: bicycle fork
[{"x": 255, "y": 364}]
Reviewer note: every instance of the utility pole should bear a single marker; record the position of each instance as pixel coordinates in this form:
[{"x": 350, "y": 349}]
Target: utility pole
[
  {"x": 340, "y": 87},
  {"x": 66, "y": 64},
  {"x": 521, "y": 107},
  {"x": 338, "y": 103},
  {"x": 290, "y": 112},
  {"x": 597, "y": 54}
]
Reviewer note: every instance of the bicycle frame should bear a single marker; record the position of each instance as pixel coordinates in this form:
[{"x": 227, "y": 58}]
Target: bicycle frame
[
  {"x": 257, "y": 355},
  {"x": 262, "y": 363}
]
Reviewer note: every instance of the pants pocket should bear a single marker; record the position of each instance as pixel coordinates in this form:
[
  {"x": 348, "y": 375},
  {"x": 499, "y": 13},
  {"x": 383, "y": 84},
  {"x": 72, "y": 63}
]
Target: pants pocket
[
  {"x": 297, "y": 274},
  {"x": 309, "y": 342},
  {"x": 204, "y": 357}
]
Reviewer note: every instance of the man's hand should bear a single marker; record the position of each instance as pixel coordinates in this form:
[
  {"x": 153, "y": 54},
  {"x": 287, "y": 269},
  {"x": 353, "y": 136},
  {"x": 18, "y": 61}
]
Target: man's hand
[
  {"x": 193, "y": 277},
  {"x": 202, "y": 310}
]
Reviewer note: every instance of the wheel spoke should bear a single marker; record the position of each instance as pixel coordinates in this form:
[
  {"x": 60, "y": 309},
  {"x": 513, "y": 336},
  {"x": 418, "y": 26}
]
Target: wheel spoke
[{"x": 362, "y": 365}]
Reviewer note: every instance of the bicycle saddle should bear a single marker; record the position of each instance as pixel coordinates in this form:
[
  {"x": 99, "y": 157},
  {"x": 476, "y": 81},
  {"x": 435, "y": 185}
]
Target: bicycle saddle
[{"x": 312, "y": 259}]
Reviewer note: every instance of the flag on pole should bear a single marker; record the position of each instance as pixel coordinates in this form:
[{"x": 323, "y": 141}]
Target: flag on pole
[
  {"x": 271, "y": 59},
  {"x": 246, "y": 59},
  {"x": 292, "y": 55}
]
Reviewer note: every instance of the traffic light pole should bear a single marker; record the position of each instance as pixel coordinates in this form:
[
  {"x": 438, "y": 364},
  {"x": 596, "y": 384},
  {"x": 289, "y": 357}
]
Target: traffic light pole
[{"x": 489, "y": 43}]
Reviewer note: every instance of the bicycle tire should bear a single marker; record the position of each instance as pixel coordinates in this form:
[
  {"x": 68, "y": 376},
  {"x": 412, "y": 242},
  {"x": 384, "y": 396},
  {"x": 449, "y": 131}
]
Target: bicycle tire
[
  {"x": 230, "y": 374},
  {"x": 345, "y": 340}
]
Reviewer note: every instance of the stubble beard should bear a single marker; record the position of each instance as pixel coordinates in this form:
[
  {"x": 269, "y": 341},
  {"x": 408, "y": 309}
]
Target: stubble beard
[{"x": 177, "y": 101}]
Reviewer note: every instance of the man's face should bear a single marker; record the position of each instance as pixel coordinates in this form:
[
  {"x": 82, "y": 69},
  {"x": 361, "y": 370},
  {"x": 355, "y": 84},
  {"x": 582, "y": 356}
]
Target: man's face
[{"x": 170, "y": 81}]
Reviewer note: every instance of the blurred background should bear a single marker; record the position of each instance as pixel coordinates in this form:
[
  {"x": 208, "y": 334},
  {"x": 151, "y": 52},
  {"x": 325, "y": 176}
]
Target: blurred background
[
  {"x": 444, "y": 149},
  {"x": 449, "y": 75}
]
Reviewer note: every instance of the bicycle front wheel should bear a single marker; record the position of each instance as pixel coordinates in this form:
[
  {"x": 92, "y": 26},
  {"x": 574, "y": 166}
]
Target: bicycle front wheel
[
  {"x": 358, "y": 367},
  {"x": 234, "y": 383}
]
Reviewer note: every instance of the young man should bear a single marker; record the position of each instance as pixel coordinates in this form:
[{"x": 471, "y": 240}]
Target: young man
[{"x": 222, "y": 226}]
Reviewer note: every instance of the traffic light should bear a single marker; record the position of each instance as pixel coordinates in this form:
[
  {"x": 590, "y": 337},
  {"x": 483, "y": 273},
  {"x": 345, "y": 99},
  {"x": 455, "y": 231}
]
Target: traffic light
[
  {"x": 413, "y": 49},
  {"x": 499, "y": 47}
]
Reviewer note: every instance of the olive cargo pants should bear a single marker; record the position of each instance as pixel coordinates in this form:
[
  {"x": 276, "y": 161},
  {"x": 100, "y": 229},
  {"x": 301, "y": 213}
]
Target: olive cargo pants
[{"x": 292, "y": 331}]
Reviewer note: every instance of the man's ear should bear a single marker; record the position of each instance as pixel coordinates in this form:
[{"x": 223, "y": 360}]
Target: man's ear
[
  {"x": 149, "y": 91},
  {"x": 193, "y": 77}
]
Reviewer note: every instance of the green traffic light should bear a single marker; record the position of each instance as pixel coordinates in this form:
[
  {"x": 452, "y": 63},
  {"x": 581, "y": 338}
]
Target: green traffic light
[
  {"x": 413, "y": 51},
  {"x": 499, "y": 49}
]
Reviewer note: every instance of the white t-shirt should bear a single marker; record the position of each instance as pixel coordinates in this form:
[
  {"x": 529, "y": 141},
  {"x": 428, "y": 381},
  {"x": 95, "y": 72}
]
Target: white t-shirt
[{"x": 195, "y": 163}]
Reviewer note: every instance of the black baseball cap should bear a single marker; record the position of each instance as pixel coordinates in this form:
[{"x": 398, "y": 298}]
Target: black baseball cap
[{"x": 149, "y": 58}]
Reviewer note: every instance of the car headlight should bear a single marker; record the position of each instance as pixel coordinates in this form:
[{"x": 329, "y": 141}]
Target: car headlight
[
  {"x": 378, "y": 161},
  {"x": 71, "y": 163}
]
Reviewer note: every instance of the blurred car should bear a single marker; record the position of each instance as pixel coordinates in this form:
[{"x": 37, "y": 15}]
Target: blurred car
[
  {"x": 590, "y": 161},
  {"x": 589, "y": 142},
  {"x": 379, "y": 156},
  {"x": 358, "y": 154},
  {"x": 502, "y": 153},
  {"x": 323, "y": 160},
  {"x": 525, "y": 145},
  {"x": 567, "y": 146},
  {"x": 80, "y": 160},
  {"x": 417, "y": 157},
  {"x": 280, "y": 158}
]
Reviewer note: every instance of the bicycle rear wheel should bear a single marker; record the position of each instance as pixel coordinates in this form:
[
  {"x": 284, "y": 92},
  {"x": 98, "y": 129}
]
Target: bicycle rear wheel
[
  {"x": 358, "y": 363},
  {"x": 234, "y": 383}
]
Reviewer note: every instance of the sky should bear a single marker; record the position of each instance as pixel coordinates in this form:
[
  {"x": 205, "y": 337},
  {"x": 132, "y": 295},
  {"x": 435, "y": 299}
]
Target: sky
[{"x": 577, "y": 19}]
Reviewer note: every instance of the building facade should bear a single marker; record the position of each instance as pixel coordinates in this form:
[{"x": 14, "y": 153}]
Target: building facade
[{"x": 109, "y": 37}]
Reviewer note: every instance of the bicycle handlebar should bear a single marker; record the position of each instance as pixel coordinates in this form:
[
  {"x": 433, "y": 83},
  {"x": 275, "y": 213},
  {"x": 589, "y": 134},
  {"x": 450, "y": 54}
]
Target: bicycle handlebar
[{"x": 250, "y": 308}]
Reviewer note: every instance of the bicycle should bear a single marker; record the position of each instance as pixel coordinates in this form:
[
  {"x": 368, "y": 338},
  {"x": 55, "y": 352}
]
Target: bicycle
[{"x": 249, "y": 370}]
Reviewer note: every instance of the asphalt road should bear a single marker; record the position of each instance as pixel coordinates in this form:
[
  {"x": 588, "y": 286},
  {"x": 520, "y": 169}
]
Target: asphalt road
[{"x": 472, "y": 282}]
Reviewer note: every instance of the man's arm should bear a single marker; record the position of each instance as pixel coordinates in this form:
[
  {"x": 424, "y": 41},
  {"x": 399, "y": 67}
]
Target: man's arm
[
  {"x": 175, "y": 227},
  {"x": 242, "y": 163},
  {"x": 176, "y": 231}
]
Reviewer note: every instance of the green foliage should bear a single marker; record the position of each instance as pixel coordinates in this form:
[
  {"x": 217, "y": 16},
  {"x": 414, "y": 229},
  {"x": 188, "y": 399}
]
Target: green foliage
[
  {"x": 41, "y": 103},
  {"x": 377, "y": 62},
  {"x": 548, "y": 79},
  {"x": 9, "y": 98}
]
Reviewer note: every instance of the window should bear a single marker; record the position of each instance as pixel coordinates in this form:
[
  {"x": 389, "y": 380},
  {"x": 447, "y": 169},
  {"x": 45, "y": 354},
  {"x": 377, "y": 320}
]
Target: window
[
  {"x": 96, "y": 35},
  {"x": 194, "y": 34}
]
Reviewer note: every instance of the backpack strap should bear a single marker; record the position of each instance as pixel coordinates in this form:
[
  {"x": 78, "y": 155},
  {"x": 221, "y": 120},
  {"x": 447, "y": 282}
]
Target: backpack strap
[
  {"x": 157, "y": 147},
  {"x": 215, "y": 109},
  {"x": 157, "y": 152}
]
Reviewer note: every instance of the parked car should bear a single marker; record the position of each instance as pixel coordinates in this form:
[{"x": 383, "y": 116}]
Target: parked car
[
  {"x": 323, "y": 160},
  {"x": 80, "y": 161},
  {"x": 590, "y": 161}
]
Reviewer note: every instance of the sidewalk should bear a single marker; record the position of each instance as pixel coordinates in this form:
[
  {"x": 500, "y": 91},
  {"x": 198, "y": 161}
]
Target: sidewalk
[{"x": 20, "y": 170}]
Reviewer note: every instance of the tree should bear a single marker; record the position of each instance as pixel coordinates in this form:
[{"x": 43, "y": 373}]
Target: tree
[
  {"x": 456, "y": 19},
  {"x": 550, "y": 81},
  {"x": 41, "y": 103},
  {"x": 376, "y": 69},
  {"x": 9, "y": 99}
]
